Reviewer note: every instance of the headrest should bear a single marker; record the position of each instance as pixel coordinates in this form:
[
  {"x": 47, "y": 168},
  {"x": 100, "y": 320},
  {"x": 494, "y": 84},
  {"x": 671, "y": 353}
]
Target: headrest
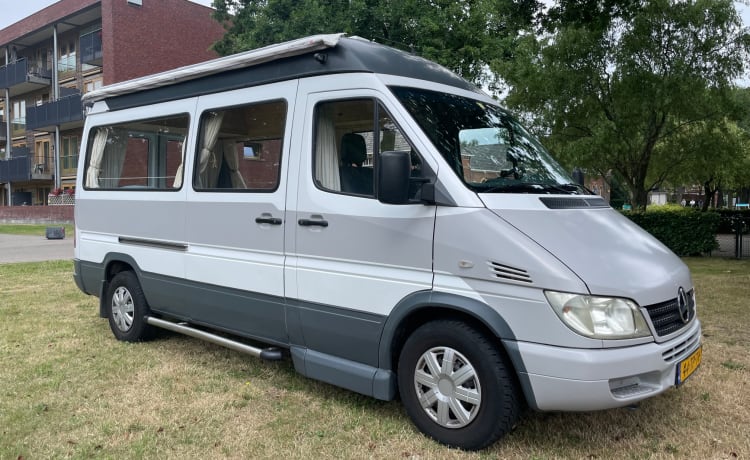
[{"x": 353, "y": 149}]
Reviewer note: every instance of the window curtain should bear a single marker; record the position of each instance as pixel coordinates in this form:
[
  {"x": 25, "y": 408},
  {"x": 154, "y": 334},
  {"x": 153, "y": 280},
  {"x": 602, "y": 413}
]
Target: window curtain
[
  {"x": 178, "y": 175},
  {"x": 208, "y": 171},
  {"x": 114, "y": 158},
  {"x": 233, "y": 163},
  {"x": 326, "y": 157},
  {"x": 97, "y": 153}
]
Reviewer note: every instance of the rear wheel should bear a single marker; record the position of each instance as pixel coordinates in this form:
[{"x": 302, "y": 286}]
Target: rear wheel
[
  {"x": 127, "y": 307},
  {"x": 457, "y": 385}
]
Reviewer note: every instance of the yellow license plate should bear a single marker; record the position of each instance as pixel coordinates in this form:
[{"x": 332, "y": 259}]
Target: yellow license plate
[{"x": 688, "y": 365}]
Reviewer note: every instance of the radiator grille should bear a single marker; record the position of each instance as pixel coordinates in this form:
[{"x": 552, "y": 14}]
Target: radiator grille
[{"x": 667, "y": 317}]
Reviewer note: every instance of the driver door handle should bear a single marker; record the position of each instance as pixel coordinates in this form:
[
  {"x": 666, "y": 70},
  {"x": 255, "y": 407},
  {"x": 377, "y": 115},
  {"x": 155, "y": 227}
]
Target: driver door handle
[{"x": 268, "y": 220}]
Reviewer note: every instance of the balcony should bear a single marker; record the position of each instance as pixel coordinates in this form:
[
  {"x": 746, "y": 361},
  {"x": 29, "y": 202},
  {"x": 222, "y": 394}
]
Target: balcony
[
  {"x": 66, "y": 112},
  {"x": 21, "y": 78},
  {"x": 16, "y": 168},
  {"x": 91, "y": 48}
]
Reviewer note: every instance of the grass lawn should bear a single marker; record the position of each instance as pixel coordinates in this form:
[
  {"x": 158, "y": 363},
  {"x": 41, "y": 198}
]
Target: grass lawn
[
  {"x": 32, "y": 229},
  {"x": 69, "y": 389}
]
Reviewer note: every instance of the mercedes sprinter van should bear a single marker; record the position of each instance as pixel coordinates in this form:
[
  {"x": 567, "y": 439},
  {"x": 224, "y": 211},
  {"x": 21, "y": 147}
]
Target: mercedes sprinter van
[{"x": 382, "y": 223}]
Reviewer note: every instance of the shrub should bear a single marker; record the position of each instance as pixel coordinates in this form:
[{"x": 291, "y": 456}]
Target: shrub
[
  {"x": 728, "y": 223},
  {"x": 686, "y": 231}
]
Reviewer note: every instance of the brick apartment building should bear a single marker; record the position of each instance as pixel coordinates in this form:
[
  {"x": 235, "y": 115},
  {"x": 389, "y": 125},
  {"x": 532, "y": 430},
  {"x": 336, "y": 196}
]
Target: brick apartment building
[{"x": 67, "y": 49}]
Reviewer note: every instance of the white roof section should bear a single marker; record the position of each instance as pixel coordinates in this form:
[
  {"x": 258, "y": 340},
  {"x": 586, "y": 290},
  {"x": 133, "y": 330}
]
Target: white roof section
[{"x": 202, "y": 69}]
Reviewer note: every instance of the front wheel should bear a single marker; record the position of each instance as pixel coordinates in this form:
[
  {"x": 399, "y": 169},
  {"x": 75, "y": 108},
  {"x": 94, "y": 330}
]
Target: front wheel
[
  {"x": 457, "y": 385},
  {"x": 127, "y": 307}
]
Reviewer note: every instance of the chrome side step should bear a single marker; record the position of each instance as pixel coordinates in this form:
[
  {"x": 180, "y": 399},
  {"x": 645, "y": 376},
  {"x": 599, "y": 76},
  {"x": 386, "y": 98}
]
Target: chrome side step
[{"x": 271, "y": 354}]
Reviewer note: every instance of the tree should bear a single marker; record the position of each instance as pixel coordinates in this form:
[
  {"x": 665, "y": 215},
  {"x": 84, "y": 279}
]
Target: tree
[
  {"x": 608, "y": 87},
  {"x": 715, "y": 155},
  {"x": 463, "y": 35}
]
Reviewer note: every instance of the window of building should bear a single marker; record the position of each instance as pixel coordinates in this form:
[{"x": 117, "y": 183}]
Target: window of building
[
  {"x": 42, "y": 163},
  {"x": 240, "y": 148},
  {"x": 18, "y": 118},
  {"x": 69, "y": 152},
  {"x": 349, "y": 135},
  {"x": 19, "y": 112},
  {"x": 92, "y": 85},
  {"x": 66, "y": 61},
  {"x": 145, "y": 155}
]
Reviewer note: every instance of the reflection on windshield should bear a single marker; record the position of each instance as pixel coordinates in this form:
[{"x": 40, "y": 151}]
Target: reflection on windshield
[{"x": 484, "y": 145}]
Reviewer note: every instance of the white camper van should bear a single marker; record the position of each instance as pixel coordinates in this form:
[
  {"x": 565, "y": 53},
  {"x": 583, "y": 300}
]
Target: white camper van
[{"x": 384, "y": 224}]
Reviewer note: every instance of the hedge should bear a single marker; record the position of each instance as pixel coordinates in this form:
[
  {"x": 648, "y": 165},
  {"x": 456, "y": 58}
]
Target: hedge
[
  {"x": 728, "y": 222},
  {"x": 686, "y": 231}
]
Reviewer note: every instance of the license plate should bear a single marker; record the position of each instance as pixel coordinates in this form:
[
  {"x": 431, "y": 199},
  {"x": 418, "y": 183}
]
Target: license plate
[{"x": 687, "y": 366}]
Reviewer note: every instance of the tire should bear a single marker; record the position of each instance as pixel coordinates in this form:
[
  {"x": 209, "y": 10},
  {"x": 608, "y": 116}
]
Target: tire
[
  {"x": 126, "y": 309},
  {"x": 469, "y": 404}
]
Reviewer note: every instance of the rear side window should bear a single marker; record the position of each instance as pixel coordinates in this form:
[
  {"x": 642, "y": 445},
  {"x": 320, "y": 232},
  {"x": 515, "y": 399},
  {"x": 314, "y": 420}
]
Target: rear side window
[
  {"x": 145, "y": 155},
  {"x": 239, "y": 148}
]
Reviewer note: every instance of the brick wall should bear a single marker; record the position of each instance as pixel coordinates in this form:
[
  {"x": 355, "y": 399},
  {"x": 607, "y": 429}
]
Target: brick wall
[
  {"x": 157, "y": 36},
  {"x": 36, "y": 214}
]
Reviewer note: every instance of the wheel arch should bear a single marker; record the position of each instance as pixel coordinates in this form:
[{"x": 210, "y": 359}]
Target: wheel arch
[
  {"x": 114, "y": 263},
  {"x": 424, "y": 306},
  {"x": 420, "y": 307}
]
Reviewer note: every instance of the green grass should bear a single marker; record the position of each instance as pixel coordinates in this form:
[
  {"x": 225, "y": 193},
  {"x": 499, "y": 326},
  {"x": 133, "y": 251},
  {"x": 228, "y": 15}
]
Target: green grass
[
  {"x": 69, "y": 389},
  {"x": 32, "y": 229}
]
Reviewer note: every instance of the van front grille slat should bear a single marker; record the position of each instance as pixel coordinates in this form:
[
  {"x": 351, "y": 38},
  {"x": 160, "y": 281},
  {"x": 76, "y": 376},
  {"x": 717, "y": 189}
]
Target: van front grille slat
[{"x": 666, "y": 318}]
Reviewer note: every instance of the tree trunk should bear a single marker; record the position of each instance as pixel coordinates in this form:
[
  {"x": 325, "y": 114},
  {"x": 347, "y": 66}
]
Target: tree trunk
[{"x": 708, "y": 194}]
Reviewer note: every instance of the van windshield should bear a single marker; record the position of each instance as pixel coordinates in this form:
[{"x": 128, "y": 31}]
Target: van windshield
[{"x": 488, "y": 149}]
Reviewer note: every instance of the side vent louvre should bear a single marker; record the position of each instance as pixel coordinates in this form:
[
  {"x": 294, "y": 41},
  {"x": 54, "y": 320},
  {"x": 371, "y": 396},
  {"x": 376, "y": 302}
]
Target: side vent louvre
[{"x": 509, "y": 273}]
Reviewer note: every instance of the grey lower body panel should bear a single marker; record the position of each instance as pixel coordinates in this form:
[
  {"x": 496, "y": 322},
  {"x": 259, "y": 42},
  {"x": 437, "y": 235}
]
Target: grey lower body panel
[
  {"x": 331, "y": 344},
  {"x": 354, "y": 376}
]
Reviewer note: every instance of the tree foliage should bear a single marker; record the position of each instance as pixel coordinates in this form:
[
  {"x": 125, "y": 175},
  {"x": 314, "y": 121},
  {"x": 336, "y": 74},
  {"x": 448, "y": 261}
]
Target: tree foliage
[
  {"x": 611, "y": 83},
  {"x": 463, "y": 35}
]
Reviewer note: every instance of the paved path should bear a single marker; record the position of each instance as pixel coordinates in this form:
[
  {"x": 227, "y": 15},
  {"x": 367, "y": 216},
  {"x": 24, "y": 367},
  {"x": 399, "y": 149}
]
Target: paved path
[{"x": 17, "y": 248}]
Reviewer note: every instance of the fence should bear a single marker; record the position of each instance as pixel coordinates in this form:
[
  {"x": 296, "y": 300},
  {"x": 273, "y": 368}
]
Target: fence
[{"x": 737, "y": 243}]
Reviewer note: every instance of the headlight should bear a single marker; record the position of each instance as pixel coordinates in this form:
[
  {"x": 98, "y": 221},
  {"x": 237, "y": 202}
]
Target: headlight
[{"x": 599, "y": 317}]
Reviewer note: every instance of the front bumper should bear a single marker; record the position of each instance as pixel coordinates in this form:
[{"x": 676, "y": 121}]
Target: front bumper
[{"x": 570, "y": 379}]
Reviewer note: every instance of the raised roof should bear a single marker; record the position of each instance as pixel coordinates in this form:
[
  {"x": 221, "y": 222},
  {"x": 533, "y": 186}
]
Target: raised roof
[{"x": 304, "y": 57}]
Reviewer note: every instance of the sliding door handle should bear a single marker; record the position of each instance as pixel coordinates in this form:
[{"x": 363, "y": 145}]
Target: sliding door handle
[{"x": 313, "y": 222}]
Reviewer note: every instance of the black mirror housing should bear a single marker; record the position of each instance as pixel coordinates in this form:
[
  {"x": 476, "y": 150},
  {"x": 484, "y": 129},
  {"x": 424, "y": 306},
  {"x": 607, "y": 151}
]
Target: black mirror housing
[{"x": 394, "y": 172}]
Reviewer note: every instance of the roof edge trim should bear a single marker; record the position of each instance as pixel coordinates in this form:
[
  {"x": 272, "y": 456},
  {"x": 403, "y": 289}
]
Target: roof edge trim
[{"x": 223, "y": 64}]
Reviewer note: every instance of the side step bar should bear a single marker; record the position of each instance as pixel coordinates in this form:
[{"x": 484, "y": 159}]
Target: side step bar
[{"x": 271, "y": 354}]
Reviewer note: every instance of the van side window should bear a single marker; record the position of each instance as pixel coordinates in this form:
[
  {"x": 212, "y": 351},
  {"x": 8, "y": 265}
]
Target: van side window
[
  {"x": 239, "y": 149},
  {"x": 346, "y": 146},
  {"x": 145, "y": 154}
]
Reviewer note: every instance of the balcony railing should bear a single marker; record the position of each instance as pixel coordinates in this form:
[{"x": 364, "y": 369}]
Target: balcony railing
[
  {"x": 21, "y": 77},
  {"x": 16, "y": 168},
  {"x": 60, "y": 112},
  {"x": 18, "y": 127},
  {"x": 91, "y": 48}
]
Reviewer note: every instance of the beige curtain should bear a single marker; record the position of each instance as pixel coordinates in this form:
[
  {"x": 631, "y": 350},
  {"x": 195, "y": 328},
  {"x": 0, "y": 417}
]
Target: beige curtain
[{"x": 326, "y": 157}]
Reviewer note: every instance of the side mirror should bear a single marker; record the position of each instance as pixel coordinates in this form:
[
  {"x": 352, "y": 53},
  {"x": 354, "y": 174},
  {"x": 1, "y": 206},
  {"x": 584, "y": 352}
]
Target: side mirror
[{"x": 394, "y": 172}]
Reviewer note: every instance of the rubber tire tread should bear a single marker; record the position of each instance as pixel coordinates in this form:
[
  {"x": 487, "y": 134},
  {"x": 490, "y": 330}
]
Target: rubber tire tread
[
  {"x": 501, "y": 398},
  {"x": 140, "y": 330}
]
